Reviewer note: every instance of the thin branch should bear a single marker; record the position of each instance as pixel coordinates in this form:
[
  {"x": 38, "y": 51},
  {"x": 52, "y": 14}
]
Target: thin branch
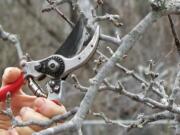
[
  {"x": 110, "y": 17},
  {"x": 143, "y": 120},
  {"x": 77, "y": 84},
  {"x": 54, "y": 7},
  {"x": 175, "y": 90},
  {"x": 109, "y": 121},
  {"x": 36, "y": 18},
  {"x": 46, "y": 123},
  {"x": 127, "y": 71},
  {"x": 8, "y": 111},
  {"x": 146, "y": 100},
  {"x": 110, "y": 39},
  {"x": 174, "y": 33},
  {"x": 153, "y": 123},
  {"x": 98, "y": 62},
  {"x": 12, "y": 38}
]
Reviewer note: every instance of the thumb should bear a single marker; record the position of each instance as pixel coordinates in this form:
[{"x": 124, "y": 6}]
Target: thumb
[{"x": 10, "y": 75}]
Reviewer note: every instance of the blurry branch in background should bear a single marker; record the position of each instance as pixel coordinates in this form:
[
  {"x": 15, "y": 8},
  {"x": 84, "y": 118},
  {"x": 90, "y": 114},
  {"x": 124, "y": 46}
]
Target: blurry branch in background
[
  {"x": 13, "y": 39},
  {"x": 39, "y": 20},
  {"x": 174, "y": 33},
  {"x": 109, "y": 121},
  {"x": 53, "y": 6}
]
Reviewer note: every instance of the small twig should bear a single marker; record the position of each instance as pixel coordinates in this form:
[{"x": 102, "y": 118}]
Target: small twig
[
  {"x": 140, "y": 122},
  {"x": 110, "y": 17},
  {"x": 100, "y": 2},
  {"x": 153, "y": 75},
  {"x": 59, "y": 2},
  {"x": 12, "y": 38},
  {"x": 98, "y": 62},
  {"x": 118, "y": 35},
  {"x": 109, "y": 121},
  {"x": 127, "y": 71},
  {"x": 82, "y": 88},
  {"x": 77, "y": 84},
  {"x": 175, "y": 90},
  {"x": 160, "y": 86},
  {"x": 53, "y": 6},
  {"x": 174, "y": 33},
  {"x": 8, "y": 112},
  {"x": 110, "y": 39},
  {"x": 148, "y": 101},
  {"x": 143, "y": 120},
  {"x": 110, "y": 50}
]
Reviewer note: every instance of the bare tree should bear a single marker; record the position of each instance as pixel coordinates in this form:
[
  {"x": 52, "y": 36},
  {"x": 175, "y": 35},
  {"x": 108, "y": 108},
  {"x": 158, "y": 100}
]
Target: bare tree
[{"x": 149, "y": 81}]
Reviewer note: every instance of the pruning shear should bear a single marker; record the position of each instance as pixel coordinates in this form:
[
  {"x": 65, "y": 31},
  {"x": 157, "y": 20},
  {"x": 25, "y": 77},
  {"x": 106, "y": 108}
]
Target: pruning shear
[{"x": 69, "y": 57}]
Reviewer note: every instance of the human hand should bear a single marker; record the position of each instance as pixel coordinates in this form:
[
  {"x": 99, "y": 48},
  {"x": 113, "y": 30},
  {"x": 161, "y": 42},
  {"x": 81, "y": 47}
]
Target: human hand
[{"x": 25, "y": 108}]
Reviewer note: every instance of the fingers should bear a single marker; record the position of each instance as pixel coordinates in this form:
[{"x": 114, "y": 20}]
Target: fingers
[
  {"x": 48, "y": 108},
  {"x": 10, "y": 75},
  {"x": 4, "y": 122},
  {"x": 43, "y": 108},
  {"x": 24, "y": 131},
  {"x": 19, "y": 101},
  {"x": 3, "y": 132},
  {"x": 27, "y": 114},
  {"x": 17, "y": 131}
]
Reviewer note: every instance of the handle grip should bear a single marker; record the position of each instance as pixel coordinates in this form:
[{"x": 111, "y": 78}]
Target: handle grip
[{"x": 12, "y": 88}]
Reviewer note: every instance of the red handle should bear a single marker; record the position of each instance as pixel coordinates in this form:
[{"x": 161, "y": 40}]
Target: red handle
[{"x": 12, "y": 88}]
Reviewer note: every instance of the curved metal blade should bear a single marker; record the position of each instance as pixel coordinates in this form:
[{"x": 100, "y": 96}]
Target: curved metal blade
[
  {"x": 65, "y": 65},
  {"x": 74, "y": 41},
  {"x": 84, "y": 56}
]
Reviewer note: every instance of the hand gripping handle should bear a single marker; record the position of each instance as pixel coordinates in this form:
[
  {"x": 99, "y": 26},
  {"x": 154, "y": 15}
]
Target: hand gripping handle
[{"x": 14, "y": 87}]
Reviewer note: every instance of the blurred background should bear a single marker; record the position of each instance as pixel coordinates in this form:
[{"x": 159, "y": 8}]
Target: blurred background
[{"x": 42, "y": 33}]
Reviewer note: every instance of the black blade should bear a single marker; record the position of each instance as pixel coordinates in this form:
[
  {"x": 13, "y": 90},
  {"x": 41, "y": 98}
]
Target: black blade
[{"x": 74, "y": 42}]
